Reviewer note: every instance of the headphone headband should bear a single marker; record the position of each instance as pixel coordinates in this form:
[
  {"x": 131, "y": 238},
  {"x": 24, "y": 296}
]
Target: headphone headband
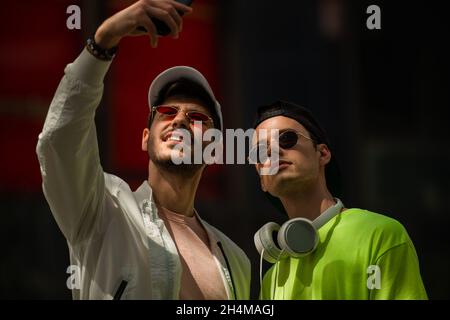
[{"x": 328, "y": 214}]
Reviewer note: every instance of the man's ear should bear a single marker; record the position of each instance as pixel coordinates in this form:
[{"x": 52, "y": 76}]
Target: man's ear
[
  {"x": 325, "y": 154},
  {"x": 145, "y": 135}
]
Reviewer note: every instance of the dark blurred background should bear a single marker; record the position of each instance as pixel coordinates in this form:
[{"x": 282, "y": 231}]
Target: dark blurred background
[{"x": 382, "y": 95}]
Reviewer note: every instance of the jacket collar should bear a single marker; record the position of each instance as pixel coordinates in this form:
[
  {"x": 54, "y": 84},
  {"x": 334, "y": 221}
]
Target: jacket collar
[
  {"x": 144, "y": 197},
  {"x": 144, "y": 192}
]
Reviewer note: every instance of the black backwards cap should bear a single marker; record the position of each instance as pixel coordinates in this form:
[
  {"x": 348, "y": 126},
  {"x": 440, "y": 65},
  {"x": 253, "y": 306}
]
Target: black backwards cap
[{"x": 305, "y": 117}]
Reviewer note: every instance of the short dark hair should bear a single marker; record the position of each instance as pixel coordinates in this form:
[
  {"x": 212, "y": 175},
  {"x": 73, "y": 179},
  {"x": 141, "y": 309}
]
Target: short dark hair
[
  {"x": 299, "y": 113},
  {"x": 186, "y": 88}
]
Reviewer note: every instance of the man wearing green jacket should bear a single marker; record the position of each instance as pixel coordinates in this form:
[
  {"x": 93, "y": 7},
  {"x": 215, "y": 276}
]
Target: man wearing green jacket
[{"x": 358, "y": 254}]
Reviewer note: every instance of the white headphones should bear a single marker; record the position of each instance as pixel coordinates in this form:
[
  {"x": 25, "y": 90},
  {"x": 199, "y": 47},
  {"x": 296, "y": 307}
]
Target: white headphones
[{"x": 297, "y": 237}]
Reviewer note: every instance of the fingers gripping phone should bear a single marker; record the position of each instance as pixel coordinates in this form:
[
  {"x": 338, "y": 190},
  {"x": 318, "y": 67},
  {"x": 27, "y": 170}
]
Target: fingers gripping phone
[{"x": 161, "y": 27}]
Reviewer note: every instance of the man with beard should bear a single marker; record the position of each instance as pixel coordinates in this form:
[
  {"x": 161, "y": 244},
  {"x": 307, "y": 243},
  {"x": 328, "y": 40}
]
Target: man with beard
[
  {"x": 151, "y": 243},
  {"x": 324, "y": 250}
]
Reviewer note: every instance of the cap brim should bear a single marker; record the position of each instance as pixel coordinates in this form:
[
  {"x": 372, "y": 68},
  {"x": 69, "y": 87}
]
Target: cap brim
[{"x": 178, "y": 72}]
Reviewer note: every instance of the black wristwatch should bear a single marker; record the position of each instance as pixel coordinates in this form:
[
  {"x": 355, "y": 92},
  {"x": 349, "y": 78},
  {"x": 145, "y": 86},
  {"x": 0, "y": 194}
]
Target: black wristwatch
[{"x": 100, "y": 53}]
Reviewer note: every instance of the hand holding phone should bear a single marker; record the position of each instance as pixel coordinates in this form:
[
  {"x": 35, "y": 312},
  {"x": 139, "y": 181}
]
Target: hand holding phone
[
  {"x": 161, "y": 28},
  {"x": 154, "y": 18}
]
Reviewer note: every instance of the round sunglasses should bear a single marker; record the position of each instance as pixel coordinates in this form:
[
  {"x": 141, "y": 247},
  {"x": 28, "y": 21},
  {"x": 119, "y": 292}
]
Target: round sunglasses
[
  {"x": 286, "y": 140},
  {"x": 171, "y": 111}
]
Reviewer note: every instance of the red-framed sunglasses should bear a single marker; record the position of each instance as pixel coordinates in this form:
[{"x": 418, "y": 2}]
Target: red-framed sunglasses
[{"x": 168, "y": 111}]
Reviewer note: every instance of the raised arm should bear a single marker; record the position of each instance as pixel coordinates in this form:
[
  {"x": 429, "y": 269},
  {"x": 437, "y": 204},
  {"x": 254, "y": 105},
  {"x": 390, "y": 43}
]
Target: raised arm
[{"x": 67, "y": 149}]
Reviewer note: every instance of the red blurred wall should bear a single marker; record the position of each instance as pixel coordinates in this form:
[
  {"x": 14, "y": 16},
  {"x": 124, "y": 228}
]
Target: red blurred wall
[
  {"x": 32, "y": 59},
  {"x": 35, "y": 47}
]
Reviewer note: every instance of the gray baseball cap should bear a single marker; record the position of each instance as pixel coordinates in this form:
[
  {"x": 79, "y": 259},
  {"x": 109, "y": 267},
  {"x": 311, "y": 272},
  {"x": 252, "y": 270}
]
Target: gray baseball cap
[{"x": 182, "y": 72}]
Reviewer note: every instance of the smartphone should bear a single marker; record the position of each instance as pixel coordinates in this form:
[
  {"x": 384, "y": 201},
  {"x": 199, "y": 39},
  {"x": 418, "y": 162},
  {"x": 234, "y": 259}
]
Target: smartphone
[{"x": 161, "y": 27}]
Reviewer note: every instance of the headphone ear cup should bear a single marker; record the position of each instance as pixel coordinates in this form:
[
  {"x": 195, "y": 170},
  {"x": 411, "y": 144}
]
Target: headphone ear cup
[
  {"x": 264, "y": 241},
  {"x": 298, "y": 237}
]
